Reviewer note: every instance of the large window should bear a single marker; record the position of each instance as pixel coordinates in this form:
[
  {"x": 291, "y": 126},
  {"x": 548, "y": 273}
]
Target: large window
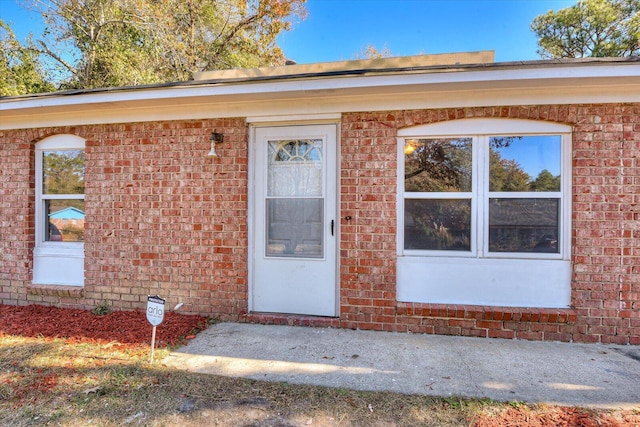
[
  {"x": 59, "y": 254},
  {"x": 483, "y": 195},
  {"x": 482, "y": 189}
]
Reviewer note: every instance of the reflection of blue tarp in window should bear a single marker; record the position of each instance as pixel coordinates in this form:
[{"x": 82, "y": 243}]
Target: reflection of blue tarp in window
[{"x": 67, "y": 213}]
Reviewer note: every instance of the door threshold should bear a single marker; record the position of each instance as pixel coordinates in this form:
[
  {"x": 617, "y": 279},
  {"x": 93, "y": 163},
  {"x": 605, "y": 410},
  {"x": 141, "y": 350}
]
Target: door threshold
[{"x": 292, "y": 320}]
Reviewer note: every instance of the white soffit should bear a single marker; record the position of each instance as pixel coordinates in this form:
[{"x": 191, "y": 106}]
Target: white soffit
[{"x": 443, "y": 88}]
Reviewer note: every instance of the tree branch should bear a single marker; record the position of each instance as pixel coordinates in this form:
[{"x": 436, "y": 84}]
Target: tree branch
[{"x": 53, "y": 55}]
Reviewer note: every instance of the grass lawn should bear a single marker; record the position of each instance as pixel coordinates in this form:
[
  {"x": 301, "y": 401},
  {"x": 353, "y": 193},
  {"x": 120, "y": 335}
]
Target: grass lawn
[
  {"x": 78, "y": 381},
  {"x": 52, "y": 381}
]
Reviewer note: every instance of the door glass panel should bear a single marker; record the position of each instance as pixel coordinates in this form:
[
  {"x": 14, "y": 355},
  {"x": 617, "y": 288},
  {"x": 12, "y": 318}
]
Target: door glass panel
[
  {"x": 443, "y": 225},
  {"x": 524, "y": 225},
  {"x": 524, "y": 163},
  {"x": 295, "y": 168},
  {"x": 294, "y": 202},
  {"x": 295, "y": 228}
]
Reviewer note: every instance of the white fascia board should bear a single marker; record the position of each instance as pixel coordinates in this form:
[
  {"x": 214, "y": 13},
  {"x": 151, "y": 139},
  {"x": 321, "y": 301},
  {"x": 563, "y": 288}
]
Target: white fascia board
[
  {"x": 319, "y": 95},
  {"x": 325, "y": 84},
  {"x": 314, "y": 105}
]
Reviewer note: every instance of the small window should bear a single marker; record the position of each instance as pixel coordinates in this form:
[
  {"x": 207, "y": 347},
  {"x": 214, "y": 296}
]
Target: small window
[
  {"x": 60, "y": 211},
  {"x": 62, "y": 195}
]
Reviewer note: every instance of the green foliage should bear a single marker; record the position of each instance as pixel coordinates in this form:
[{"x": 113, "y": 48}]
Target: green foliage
[
  {"x": 546, "y": 181},
  {"x": 20, "y": 71},
  {"x": 102, "y": 309},
  {"x": 506, "y": 174},
  {"x": 438, "y": 165},
  {"x": 445, "y": 165},
  {"x": 63, "y": 172},
  {"x": 518, "y": 404},
  {"x": 104, "y": 43},
  {"x": 596, "y": 28},
  {"x": 443, "y": 225}
]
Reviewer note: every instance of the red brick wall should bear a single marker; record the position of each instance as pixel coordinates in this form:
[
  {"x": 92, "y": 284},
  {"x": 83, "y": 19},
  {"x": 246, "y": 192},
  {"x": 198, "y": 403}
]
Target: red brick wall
[
  {"x": 163, "y": 218},
  {"x": 605, "y": 241},
  {"x": 606, "y": 220},
  {"x": 16, "y": 215},
  {"x": 368, "y": 240}
]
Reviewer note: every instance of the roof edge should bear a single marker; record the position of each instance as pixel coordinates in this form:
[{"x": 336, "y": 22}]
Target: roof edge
[
  {"x": 459, "y": 58},
  {"x": 544, "y": 63}
]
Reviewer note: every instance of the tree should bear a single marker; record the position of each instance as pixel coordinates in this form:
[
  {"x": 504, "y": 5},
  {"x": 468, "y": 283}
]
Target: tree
[
  {"x": 506, "y": 174},
  {"x": 546, "y": 181},
  {"x": 202, "y": 35},
  {"x": 438, "y": 165},
  {"x": 372, "y": 52},
  {"x": 594, "y": 28},
  {"x": 20, "y": 71},
  {"x": 101, "y": 43},
  {"x": 63, "y": 172}
]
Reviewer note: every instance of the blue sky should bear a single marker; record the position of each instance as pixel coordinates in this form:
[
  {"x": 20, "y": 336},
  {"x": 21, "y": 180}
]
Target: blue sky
[
  {"x": 339, "y": 29},
  {"x": 336, "y": 30}
]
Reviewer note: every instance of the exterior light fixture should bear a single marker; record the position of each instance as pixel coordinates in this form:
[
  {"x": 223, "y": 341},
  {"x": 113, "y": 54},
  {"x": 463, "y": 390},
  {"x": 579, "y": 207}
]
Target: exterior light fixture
[{"x": 216, "y": 138}]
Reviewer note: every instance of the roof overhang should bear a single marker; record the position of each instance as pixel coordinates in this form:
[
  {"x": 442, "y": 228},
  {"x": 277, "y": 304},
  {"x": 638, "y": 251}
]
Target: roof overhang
[{"x": 502, "y": 84}]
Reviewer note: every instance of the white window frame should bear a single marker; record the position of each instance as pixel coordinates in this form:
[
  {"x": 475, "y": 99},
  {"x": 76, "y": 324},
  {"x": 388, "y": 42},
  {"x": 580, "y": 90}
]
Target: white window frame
[
  {"x": 55, "y": 263},
  {"x": 480, "y": 277}
]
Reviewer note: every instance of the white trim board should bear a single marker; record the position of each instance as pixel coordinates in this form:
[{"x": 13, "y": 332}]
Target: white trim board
[
  {"x": 490, "y": 282},
  {"x": 526, "y": 85}
]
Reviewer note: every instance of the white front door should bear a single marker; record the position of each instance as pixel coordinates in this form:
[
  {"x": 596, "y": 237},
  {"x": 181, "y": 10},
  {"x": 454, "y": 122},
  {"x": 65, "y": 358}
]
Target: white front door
[{"x": 294, "y": 220}]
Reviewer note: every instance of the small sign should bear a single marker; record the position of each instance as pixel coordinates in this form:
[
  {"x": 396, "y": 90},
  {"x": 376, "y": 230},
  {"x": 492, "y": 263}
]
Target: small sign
[{"x": 155, "y": 310}]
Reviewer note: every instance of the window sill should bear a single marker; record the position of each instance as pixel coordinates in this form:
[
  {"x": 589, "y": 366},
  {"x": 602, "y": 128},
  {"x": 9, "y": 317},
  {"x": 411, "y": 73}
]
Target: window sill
[{"x": 56, "y": 290}]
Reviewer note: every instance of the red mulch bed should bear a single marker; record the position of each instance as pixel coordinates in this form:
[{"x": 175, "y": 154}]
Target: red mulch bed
[
  {"x": 125, "y": 327},
  {"x": 558, "y": 416}
]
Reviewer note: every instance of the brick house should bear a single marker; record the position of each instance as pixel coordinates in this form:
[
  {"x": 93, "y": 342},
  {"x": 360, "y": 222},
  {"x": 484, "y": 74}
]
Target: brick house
[{"x": 442, "y": 195}]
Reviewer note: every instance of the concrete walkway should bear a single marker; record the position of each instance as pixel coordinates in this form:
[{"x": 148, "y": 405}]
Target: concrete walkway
[{"x": 589, "y": 375}]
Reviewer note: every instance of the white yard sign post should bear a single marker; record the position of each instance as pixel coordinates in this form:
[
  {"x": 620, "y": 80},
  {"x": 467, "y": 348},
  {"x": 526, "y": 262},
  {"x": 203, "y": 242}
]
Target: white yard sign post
[{"x": 155, "y": 316}]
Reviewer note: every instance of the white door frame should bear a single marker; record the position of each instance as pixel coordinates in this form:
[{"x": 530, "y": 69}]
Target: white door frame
[{"x": 255, "y": 227}]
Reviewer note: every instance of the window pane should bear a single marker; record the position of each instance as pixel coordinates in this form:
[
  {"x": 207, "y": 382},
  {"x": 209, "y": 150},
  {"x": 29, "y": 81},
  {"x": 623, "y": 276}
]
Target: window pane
[
  {"x": 65, "y": 220},
  {"x": 437, "y": 165},
  {"x": 437, "y": 224},
  {"x": 524, "y": 163},
  {"x": 295, "y": 168},
  {"x": 524, "y": 225},
  {"x": 295, "y": 228},
  {"x": 63, "y": 172}
]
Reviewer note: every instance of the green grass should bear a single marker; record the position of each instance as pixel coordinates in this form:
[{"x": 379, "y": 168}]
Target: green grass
[{"x": 46, "y": 381}]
